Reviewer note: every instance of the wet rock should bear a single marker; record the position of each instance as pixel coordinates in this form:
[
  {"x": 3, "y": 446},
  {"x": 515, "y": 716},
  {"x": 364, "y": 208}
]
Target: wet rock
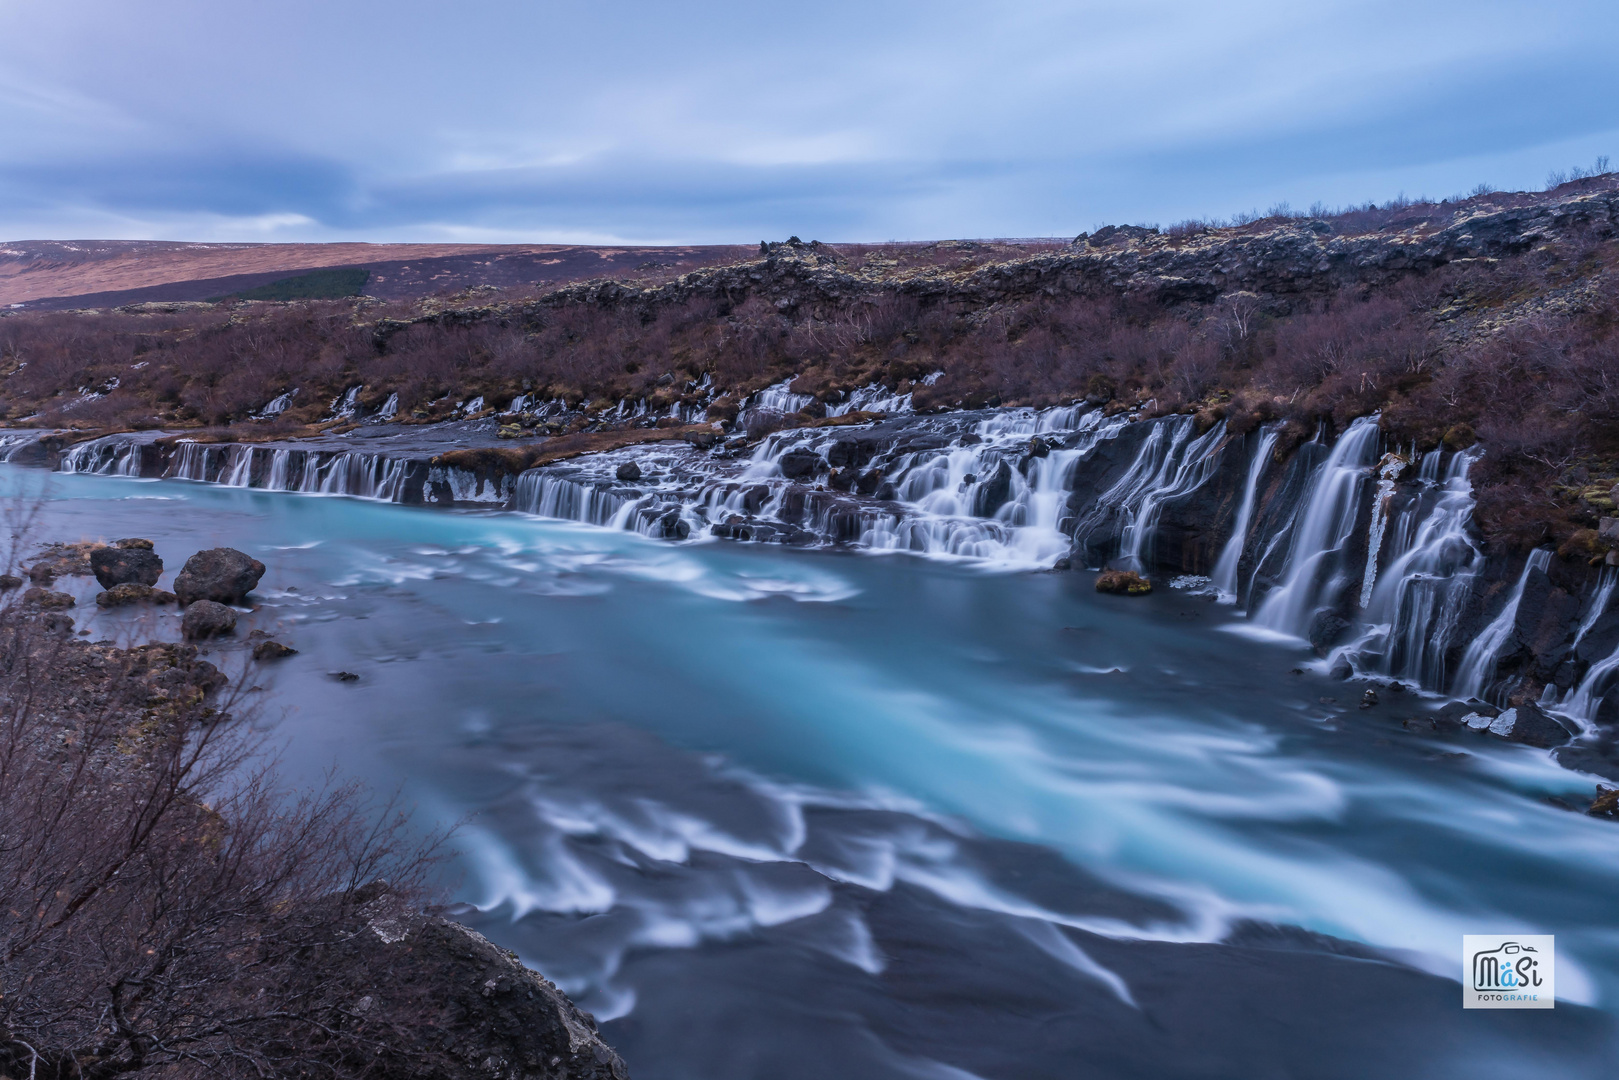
[
  {"x": 1039, "y": 447},
  {"x": 46, "y": 600},
  {"x": 800, "y": 464},
  {"x": 122, "y": 566},
  {"x": 993, "y": 491},
  {"x": 629, "y": 472},
  {"x": 344, "y": 676},
  {"x": 1325, "y": 630},
  {"x": 133, "y": 592},
  {"x": 1064, "y": 563},
  {"x": 842, "y": 479},
  {"x": 1368, "y": 699},
  {"x": 1608, "y": 530},
  {"x": 703, "y": 440},
  {"x": 1528, "y": 724},
  {"x": 1460, "y": 714},
  {"x": 205, "y": 619},
  {"x": 847, "y": 453},
  {"x": 1122, "y": 583},
  {"x": 1341, "y": 669},
  {"x": 133, "y": 543},
  {"x": 55, "y": 622},
  {"x": 272, "y": 650},
  {"x": 223, "y": 575},
  {"x": 9, "y": 582},
  {"x": 672, "y": 526},
  {"x": 1606, "y": 803}
]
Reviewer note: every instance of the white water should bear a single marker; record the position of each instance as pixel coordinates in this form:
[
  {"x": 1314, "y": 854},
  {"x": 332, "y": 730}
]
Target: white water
[
  {"x": 1316, "y": 575},
  {"x": 1478, "y": 662},
  {"x": 1226, "y": 568}
]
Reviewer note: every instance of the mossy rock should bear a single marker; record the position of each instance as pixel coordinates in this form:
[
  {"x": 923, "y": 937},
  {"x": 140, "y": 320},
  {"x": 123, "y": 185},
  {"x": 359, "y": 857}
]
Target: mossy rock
[
  {"x": 1122, "y": 583},
  {"x": 1459, "y": 437}
]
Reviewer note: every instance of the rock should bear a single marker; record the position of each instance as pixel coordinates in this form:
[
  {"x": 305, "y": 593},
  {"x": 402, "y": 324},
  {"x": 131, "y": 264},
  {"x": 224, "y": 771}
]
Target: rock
[
  {"x": 993, "y": 490},
  {"x": 132, "y": 592},
  {"x": 1325, "y": 630},
  {"x": 629, "y": 472},
  {"x": 46, "y": 600},
  {"x": 272, "y": 650},
  {"x": 1122, "y": 583},
  {"x": 800, "y": 464},
  {"x": 1528, "y": 724},
  {"x": 56, "y": 623},
  {"x": 1039, "y": 447},
  {"x": 133, "y": 543},
  {"x": 41, "y": 573},
  {"x": 1064, "y": 563},
  {"x": 1368, "y": 699},
  {"x": 1341, "y": 669},
  {"x": 1608, "y": 530},
  {"x": 122, "y": 566},
  {"x": 9, "y": 582},
  {"x": 223, "y": 575},
  {"x": 1606, "y": 803},
  {"x": 344, "y": 676},
  {"x": 703, "y": 440},
  {"x": 206, "y": 619}
]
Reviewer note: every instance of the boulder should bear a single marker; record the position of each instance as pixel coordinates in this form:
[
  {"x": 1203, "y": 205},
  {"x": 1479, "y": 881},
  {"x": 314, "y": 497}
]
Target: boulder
[
  {"x": 629, "y": 472},
  {"x": 1325, "y": 630},
  {"x": 800, "y": 464},
  {"x": 993, "y": 491},
  {"x": 272, "y": 650},
  {"x": 1122, "y": 583},
  {"x": 1608, "y": 530},
  {"x": 46, "y": 600},
  {"x": 9, "y": 582},
  {"x": 132, "y": 592},
  {"x": 122, "y": 566},
  {"x": 134, "y": 543},
  {"x": 1038, "y": 447},
  {"x": 223, "y": 575},
  {"x": 206, "y": 619},
  {"x": 1528, "y": 724}
]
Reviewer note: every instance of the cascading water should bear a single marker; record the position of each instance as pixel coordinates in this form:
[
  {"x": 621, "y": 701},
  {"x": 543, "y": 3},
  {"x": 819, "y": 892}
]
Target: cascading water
[
  {"x": 1226, "y": 568},
  {"x": 1315, "y": 575},
  {"x": 1413, "y": 612},
  {"x": 1185, "y": 469},
  {"x": 1478, "y": 662},
  {"x": 1599, "y": 603}
]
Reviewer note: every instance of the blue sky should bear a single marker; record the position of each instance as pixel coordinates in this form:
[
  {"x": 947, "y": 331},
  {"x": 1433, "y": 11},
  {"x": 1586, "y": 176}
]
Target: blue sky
[{"x": 504, "y": 120}]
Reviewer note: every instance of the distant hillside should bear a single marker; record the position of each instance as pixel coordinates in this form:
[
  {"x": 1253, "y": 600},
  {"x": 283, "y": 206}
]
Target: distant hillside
[{"x": 54, "y": 275}]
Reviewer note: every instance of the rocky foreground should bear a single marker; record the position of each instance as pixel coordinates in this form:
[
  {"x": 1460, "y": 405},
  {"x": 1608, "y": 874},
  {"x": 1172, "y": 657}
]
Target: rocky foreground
[{"x": 133, "y": 949}]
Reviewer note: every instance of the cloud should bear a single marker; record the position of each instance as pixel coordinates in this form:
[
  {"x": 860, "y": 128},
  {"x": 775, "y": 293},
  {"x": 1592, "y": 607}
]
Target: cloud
[{"x": 730, "y": 122}]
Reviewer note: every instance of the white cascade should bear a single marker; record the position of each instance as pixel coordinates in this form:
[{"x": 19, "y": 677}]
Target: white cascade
[
  {"x": 1315, "y": 577},
  {"x": 1478, "y": 662},
  {"x": 1226, "y": 566}
]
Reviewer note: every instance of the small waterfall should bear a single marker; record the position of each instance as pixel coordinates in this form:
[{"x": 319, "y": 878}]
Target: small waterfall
[
  {"x": 344, "y": 404},
  {"x": 390, "y": 408},
  {"x": 278, "y": 405},
  {"x": 363, "y": 476},
  {"x": 1315, "y": 575},
  {"x": 1180, "y": 474},
  {"x": 1599, "y": 603},
  {"x": 110, "y": 455},
  {"x": 555, "y": 497},
  {"x": 1478, "y": 663},
  {"x": 872, "y": 398},
  {"x": 1415, "y": 608},
  {"x": 280, "y": 468},
  {"x": 194, "y": 461},
  {"x": 238, "y": 468},
  {"x": 1583, "y": 703},
  {"x": 1226, "y": 567}
]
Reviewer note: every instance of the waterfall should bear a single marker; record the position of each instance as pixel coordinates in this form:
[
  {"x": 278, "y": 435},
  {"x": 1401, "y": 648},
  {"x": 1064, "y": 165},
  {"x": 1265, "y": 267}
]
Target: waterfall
[
  {"x": 1180, "y": 474},
  {"x": 390, "y": 408},
  {"x": 872, "y": 398},
  {"x": 1414, "y": 611},
  {"x": 1586, "y": 699},
  {"x": 1478, "y": 663},
  {"x": 1226, "y": 567},
  {"x": 554, "y": 497},
  {"x": 110, "y": 455},
  {"x": 1315, "y": 577},
  {"x": 1599, "y": 603},
  {"x": 238, "y": 468}
]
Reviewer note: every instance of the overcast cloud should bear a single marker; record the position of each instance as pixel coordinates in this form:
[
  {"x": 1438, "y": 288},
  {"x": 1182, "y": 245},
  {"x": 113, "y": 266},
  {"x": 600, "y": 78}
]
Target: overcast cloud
[{"x": 505, "y": 120}]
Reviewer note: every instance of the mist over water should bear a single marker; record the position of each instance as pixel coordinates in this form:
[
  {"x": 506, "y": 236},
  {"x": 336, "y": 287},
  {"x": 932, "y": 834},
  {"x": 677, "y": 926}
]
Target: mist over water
[{"x": 783, "y": 813}]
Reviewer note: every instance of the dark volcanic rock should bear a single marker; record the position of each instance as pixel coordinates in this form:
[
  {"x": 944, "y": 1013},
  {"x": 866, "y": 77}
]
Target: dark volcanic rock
[
  {"x": 9, "y": 582},
  {"x": 223, "y": 575},
  {"x": 133, "y": 592},
  {"x": 46, "y": 600},
  {"x": 993, "y": 490},
  {"x": 1325, "y": 630},
  {"x": 123, "y": 566},
  {"x": 800, "y": 464},
  {"x": 1528, "y": 724},
  {"x": 206, "y": 619},
  {"x": 629, "y": 472},
  {"x": 272, "y": 650},
  {"x": 1122, "y": 583}
]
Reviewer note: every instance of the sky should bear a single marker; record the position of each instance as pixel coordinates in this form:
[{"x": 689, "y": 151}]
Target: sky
[{"x": 732, "y": 122}]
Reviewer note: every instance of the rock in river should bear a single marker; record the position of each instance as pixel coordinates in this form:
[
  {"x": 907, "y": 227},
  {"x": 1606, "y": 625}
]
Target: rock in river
[
  {"x": 123, "y": 566},
  {"x": 132, "y": 592},
  {"x": 223, "y": 575},
  {"x": 205, "y": 619}
]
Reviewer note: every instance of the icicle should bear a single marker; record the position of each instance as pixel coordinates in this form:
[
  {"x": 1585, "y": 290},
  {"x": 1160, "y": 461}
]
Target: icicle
[{"x": 1389, "y": 471}]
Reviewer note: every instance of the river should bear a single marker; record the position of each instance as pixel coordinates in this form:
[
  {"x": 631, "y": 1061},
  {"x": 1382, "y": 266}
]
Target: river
[{"x": 777, "y": 813}]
